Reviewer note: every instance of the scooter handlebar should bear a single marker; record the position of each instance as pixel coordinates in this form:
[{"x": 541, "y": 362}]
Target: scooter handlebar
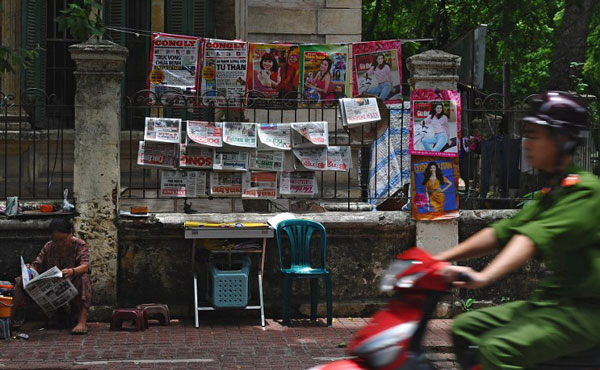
[{"x": 463, "y": 276}]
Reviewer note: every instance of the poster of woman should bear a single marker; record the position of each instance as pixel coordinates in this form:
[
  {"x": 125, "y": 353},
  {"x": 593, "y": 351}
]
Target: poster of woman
[
  {"x": 323, "y": 72},
  {"x": 274, "y": 70},
  {"x": 376, "y": 69},
  {"x": 435, "y": 123},
  {"x": 434, "y": 191}
]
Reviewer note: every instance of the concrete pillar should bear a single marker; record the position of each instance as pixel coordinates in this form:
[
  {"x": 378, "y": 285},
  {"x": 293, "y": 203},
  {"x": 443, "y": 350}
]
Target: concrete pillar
[
  {"x": 11, "y": 37},
  {"x": 435, "y": 69},
  {"x": 96, "y": 169},
  {"x": 241, "y": 19}
]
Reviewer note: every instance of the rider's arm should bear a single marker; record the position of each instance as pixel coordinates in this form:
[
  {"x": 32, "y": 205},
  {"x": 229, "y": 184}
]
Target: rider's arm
[{"x": 480, "y": 244}]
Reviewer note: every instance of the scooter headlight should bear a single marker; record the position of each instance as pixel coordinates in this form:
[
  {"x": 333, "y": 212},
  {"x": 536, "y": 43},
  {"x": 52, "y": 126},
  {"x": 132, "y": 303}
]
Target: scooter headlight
[{"x": 390, "y": 277}]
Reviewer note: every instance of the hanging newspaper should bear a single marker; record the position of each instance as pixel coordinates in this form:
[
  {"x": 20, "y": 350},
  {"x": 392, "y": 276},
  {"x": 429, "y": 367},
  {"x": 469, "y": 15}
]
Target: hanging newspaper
[
  {"x": 164, "y": 130},
  {"x": 49, "y": 290},
  {"x": 259, "y": 185},
  {"x": 377, "y": 69},
  {"x": 239, "y": 134},
  {"x": 274, "y": 136},
  {"x": 174, "y": 61},
  {"x": 310, "y": 134},
  {"x": 224, "y": 73},
  {"x": 205, "y": 133},
  {"x": 266, "y": 160},
  {"x": 160, "y": 155},
  {"x": 230, "y": 160},
  {"x": 358, "y": 111},
  {"x": 195, "y": 157},
  {"x": 339, "y": 158},
  {"x": 298, "y": 183},
  {"x": 310, "y": 159},
  {"x": 226, "y": 184},
  {"x": 182, "y": 184}
]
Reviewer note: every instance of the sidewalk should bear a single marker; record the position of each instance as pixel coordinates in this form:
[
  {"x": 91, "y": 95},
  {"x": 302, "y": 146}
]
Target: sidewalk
[{"x": 216, "y": 344}]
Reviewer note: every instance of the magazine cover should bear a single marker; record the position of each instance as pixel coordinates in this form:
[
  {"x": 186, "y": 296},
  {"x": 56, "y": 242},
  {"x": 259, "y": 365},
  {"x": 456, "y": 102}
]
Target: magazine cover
[
  {"x": 274, "y": 136},
  {"x": 259, "y": 185},
  {"x": 298, "y": 183},
  {"x": 195, "y": 157},
  {"x": 271, "y": 160},
  {"x": 274, "y": 70},
  {"x": 239, "y": 134},
  {"x": 224, "y": 73},
  {"x": 339, "y": 158},
  {"x": 314, "y": 159},
  {"x": 434, "y": 193},
  {"x": 174, "y": 64},
  {"x": 159, "y": 155},
  {"x": 230, "y": 160},
  {"x": 310, "y": 134},
  {"x": 434, "y": 122},
  {"x": 182, "y": 184},
  {"x": 323, "y": 72},
  {"x": 164, "y": 130},
  {"x": 205, "y": 133},
  {"x": 377, "y": 69},
  {"x": 226, "y": 184}
]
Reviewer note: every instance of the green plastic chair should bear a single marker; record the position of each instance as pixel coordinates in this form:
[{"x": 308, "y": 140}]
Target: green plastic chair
[{"x": 299, "y": 233}]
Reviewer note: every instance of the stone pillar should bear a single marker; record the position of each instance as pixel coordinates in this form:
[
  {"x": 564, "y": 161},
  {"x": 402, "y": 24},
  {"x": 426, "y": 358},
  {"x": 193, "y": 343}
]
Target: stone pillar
[
  {"x": 11, "y": 37},
  {"x": 96, "y": 172},
  {"x": 435, "y": 69},
  {"x": 241, "y": 19}
]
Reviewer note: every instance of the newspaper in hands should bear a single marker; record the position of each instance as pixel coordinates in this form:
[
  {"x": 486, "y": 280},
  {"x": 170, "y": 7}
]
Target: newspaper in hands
[{"x": 49, "y": 290}]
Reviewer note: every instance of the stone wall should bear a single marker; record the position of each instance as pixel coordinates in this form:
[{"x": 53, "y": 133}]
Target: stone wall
[{"x": 154, "y": 259}]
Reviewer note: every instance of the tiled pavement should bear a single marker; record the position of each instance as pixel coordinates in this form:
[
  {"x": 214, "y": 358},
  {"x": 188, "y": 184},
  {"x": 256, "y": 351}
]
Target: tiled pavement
[{"x": 216, "y": 344}]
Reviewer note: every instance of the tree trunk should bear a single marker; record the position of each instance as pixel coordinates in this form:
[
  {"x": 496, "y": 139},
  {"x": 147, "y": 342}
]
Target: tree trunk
[
  {"x": 371, "y": 29},
  {"x": 571, "y": 45}
]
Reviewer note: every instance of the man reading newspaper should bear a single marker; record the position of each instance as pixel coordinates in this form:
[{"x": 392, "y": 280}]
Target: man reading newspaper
[{"x": 63, "y": 263}]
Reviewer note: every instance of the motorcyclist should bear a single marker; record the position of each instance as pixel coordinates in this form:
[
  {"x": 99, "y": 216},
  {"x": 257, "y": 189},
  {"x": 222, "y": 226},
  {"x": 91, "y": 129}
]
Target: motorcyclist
[{"x": 563, "y": 227}]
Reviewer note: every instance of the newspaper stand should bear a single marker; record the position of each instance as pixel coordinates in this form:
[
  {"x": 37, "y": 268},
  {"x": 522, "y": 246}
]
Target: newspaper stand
[{"x": 203, "y": 232}]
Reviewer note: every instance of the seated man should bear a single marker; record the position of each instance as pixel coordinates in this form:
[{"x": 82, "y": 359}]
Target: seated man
[{"x": 72, "y": 256}]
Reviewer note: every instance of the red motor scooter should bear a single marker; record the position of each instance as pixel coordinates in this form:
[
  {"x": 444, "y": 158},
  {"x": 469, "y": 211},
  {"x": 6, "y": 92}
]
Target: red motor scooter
[{"x": 392, "y": 338}]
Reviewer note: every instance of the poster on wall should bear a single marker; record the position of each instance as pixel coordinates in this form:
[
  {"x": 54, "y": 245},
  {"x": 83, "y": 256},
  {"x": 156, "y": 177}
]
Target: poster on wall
[
  {"x": 323, "y": 73},
  {"x": 159, "y": 155},
  {"x": 377, "y": 69},
  {"x": 174, "y": 64},
  {"x": 195, "y": 157},
  {"x": 182, "y": 184},
  {"x": 273, "y": 71},
  {"x": 259, "y": 185},
  {"x": 434, "y": 193},
  {"x": 224, "y": 73},
  {"x": 434, "y": 123},
  {"x": 240, "y": 134},
  {"x": 205, "y": 133},
  {"x": 164, "y": 130},
  {"x": 298, "y": 183},
  {"x": 274, "y": 136},
  {"x": 226, "y": 184}
]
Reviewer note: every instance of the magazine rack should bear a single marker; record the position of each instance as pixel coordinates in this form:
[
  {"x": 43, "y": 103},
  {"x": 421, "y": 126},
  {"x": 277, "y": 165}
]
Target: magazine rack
[{"x": 203, "y": 232}]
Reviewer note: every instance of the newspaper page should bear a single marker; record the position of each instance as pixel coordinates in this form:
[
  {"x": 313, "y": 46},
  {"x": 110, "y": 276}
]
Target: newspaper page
[
  {"x": 310, "y": 134},
  {"x": 239, "y": 134},
  {"x": 311, "y": 159},
  {"x": 164, "y": 130},
  {"x": 298, "y": 183},
  {"x": 274, "y": 136},
  {"x": 259, "y": 185},
  {"x": 377, "y": 69},
  {"x": 174, "y": 60},
  {"x": 224, "y": 72},
  {"x": 230, "y": 160},
  {"x": 266, "y": 160},
  {"x": 205, "y": 133},
  {"x": 356, "y": 111},
  {"x": 160, "y": 155},
  {"x": 49, "y": 290},
  {"x": 182, "y": 184},
  {"x": 195, "y": 157},
  {"x": 323, "y": 73},
  {"x": 339, "y": 158},
  {"x": 226, "y": 184}
]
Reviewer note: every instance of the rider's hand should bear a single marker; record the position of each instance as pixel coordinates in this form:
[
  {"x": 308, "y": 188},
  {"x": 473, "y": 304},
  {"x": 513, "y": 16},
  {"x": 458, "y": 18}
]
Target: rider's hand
[{"x": 477, "y": 279}]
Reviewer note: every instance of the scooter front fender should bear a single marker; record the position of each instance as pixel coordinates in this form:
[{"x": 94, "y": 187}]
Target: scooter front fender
[{"x": 349, "y": 364}]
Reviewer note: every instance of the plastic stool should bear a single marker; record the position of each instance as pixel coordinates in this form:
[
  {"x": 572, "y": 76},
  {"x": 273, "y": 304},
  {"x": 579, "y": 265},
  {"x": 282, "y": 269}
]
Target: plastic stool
[
  {"x": 121, "y": 314},
  {"x": 155, "y": 311}
]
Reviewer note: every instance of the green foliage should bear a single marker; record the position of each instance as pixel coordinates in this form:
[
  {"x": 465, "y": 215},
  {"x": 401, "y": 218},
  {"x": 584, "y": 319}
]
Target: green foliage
[
  {"x": 79, "y": 21},
  {"x": 10, "y": 58},
  {"x": 468, "y": 304}
]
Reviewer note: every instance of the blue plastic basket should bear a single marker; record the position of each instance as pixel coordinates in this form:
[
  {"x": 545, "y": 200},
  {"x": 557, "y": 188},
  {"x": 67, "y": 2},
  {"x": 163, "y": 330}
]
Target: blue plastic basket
[{"x": 228, "y": 288}]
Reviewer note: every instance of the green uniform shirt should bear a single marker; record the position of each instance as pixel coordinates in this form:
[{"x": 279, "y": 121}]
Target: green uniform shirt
[{"x": 564, "y": 224}]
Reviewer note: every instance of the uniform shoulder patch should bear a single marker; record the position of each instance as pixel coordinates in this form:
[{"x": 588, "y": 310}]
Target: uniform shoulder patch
[{"x": 570, "y": 180}]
